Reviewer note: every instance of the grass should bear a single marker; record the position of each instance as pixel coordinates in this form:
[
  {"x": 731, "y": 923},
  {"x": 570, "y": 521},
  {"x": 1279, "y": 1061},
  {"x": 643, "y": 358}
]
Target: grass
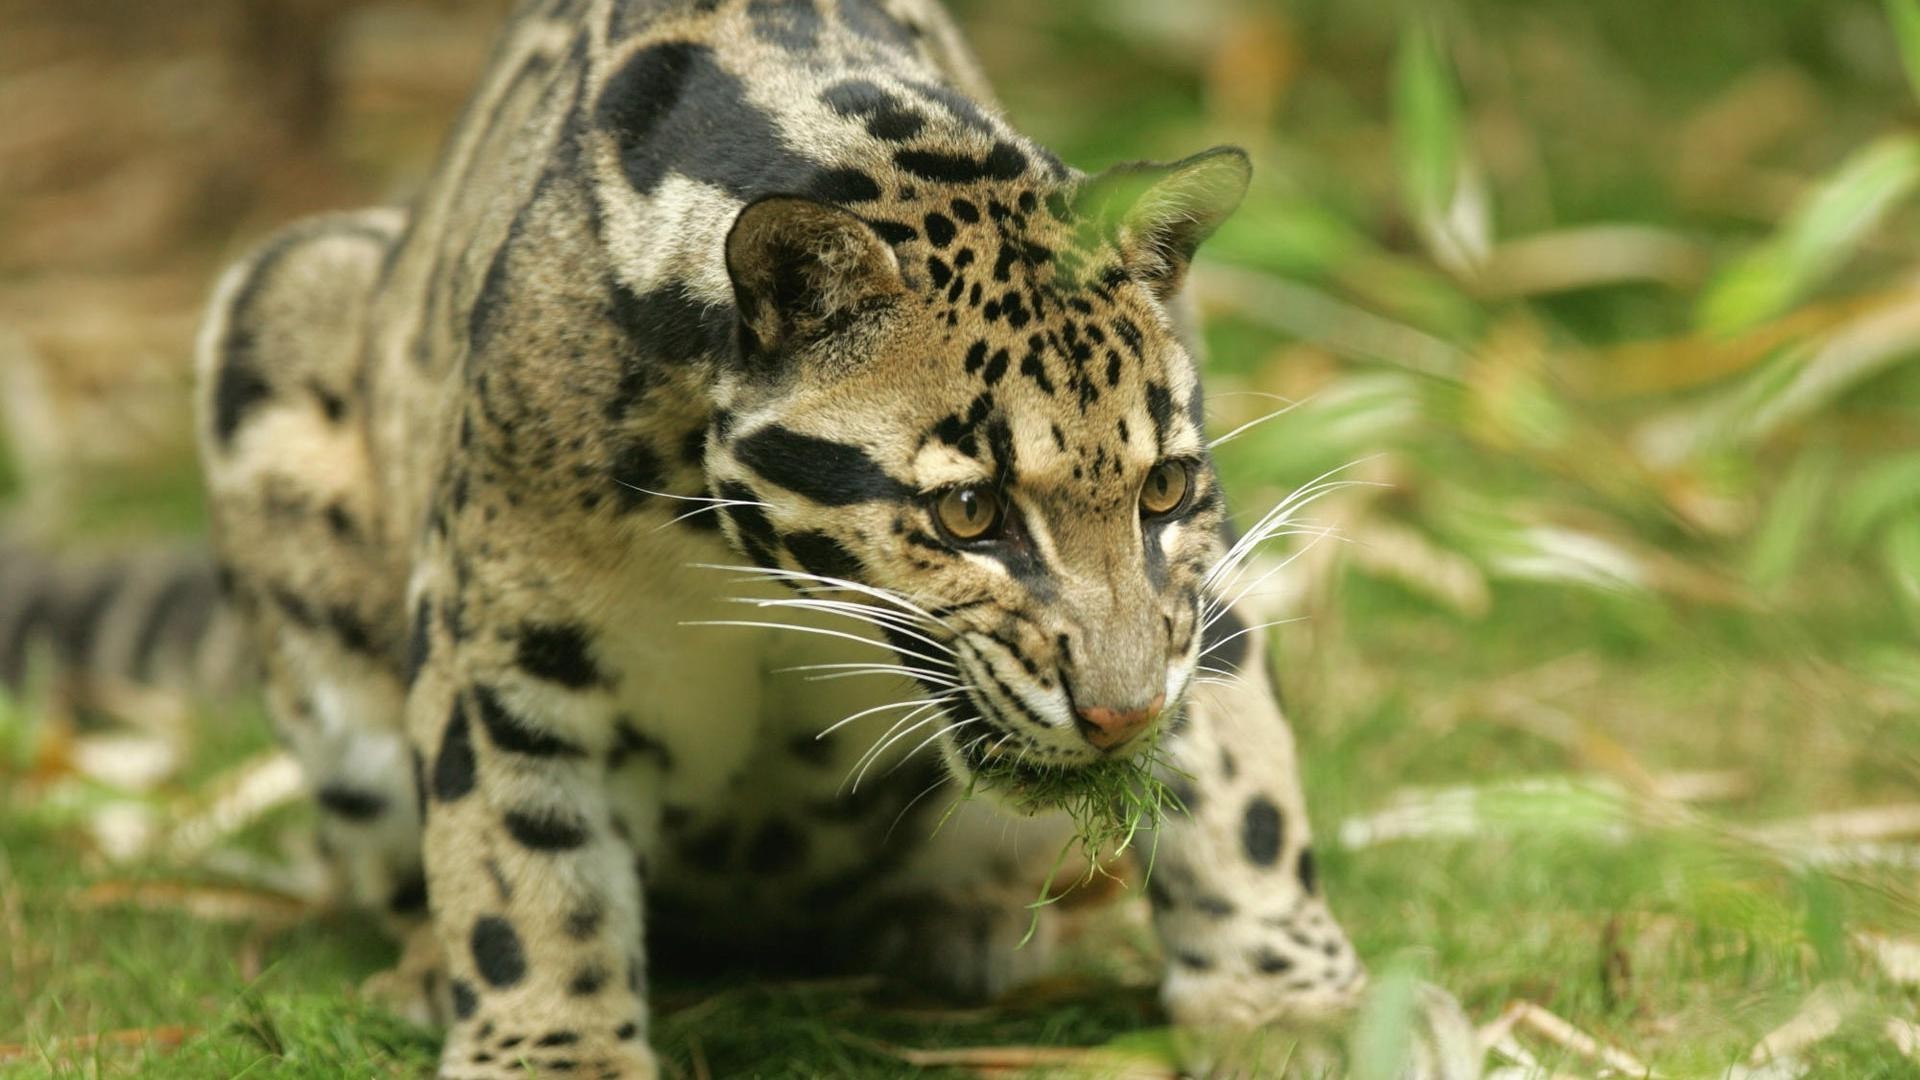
[
  {"x": 1109, "y": 803},
  {"x": 1612, "y": 305}
]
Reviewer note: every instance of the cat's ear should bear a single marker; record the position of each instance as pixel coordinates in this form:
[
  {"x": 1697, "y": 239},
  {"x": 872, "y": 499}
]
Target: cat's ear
[
  {"x": 1157, "y": 215},
  {"x": 802, "y": 269}
]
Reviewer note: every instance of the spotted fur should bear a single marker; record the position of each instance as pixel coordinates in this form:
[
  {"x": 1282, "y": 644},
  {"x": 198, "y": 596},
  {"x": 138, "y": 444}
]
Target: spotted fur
[{"x": 743, "y": 282}]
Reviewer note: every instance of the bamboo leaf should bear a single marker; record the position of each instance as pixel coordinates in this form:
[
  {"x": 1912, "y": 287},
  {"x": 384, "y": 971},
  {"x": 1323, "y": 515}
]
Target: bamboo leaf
[
  {"x": 1791, "y": 518},
  {"x": 1816, "y": 239},
  {"x": 1883, "y": 490},
  {"x": 1905, "y": 16},
  {"x": 1427, "y": 123}
]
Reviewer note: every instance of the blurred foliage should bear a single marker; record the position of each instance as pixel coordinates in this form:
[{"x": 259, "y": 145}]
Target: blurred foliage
[{"x": 1613, "y": 307}]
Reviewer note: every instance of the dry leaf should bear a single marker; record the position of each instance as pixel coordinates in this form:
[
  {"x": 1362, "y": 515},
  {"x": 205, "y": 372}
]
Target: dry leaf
[
  {"x": 996, "y": 1061},
  {"x": 223, "y": 903},
  {"x": 241, "y": 796},
  {"x": 83, "y": 1046},
  {"x": 1498, "y": 1036}
]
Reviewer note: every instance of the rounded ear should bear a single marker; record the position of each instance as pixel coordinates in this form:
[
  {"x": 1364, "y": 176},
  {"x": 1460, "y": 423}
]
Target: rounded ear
[
  {"x": 1158, "y": 215},
  {"x": 802, "y": 269}
]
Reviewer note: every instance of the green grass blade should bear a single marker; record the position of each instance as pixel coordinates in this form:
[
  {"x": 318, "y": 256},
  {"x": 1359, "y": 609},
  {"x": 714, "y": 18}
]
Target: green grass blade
[
  {"x": 1816, "y": 240},
  {"x": 1427, "y": 123},
  {"x": 1905, "y": 16}
]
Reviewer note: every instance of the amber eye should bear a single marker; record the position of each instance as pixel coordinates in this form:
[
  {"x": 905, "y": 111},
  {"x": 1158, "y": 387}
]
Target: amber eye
[
  {"x": 1166, "y": 488},
  {"x": 969, "y": 514}
]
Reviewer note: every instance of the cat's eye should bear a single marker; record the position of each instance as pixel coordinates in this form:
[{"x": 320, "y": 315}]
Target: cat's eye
[
  {"x": 969, "y": 514},
  {"x": 1166, "y": 488}
]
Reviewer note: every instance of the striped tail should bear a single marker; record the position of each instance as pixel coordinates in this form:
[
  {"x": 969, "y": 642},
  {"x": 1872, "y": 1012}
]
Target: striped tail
[{"x": 148, "y": 618}]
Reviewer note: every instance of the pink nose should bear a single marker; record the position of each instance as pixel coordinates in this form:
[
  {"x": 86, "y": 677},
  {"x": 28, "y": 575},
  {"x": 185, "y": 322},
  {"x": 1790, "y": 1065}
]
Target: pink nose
[{"x": 1108, "y": 728}]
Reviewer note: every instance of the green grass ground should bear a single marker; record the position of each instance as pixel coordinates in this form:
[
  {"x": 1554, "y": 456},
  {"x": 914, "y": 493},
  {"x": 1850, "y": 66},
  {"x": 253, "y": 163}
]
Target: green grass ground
[{"x": 1614, "y": 304}]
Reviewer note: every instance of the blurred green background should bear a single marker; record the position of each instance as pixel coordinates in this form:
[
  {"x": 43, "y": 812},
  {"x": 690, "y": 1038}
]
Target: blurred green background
[{"x": 1606, "y": 673}]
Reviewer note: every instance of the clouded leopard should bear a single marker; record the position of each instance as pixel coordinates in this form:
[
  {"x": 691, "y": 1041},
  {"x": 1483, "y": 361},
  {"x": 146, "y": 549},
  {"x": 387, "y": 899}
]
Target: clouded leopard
[{"x": 744, "y": 438}]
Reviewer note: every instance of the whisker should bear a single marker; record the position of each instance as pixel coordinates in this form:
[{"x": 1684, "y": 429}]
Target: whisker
[
  {"x": 879, "y": 749},
  {"x": 848, "y": 671},
  {"x": 1216, "y": 615},
  {"x": 911, "y": 803},
  {"x": 845, "y": 720},
  {"x": 692, "y": 498},
  {"x": 1248, "y": 630},
  {"x": 867, "y": 613},
  {"x": 928, "y": 741},
  {"x": 1251, "y": 424},
  {"x": 1281, "y": 511},
  {"x": 820, "y": 630},
  {"x": 874, "y": 591}
]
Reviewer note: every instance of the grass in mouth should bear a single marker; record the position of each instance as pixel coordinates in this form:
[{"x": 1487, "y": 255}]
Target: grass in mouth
[{"x": 1110, "y": 802}]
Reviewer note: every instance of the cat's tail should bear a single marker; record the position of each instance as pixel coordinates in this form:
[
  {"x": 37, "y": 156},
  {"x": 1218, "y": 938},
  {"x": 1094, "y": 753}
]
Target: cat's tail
[{"x": 144, "y": 617}]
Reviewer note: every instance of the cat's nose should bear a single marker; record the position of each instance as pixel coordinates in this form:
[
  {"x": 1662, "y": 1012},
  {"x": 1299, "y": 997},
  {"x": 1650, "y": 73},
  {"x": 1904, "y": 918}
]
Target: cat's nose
[{"x": 1107, "y": 728}]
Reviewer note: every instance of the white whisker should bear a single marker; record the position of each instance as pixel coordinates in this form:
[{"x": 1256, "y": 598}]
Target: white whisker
[
  {"x": 820, "y": 630},
  {"x": 1251, "y": 424},
  {"x": 867, "y": 613},
  {"x": 845, "y": 720},
  {"x": 876, "y": 592}
]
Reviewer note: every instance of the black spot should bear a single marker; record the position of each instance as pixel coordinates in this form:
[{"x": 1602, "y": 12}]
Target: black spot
[
  {"x": 845, "y": 186},
  {"x": 829, "y": 473},
  {"x": 893, "y": 232},
  {"x": 869, "y": 20},
  {"x": 339, "y": 522},
  {"x": 636, "y": 470},
  {"x": 672, "y": 108},
  {"x": 1160, "y": 407},
  {"x": 793, "y": 25},
  {"x": 757, "y": 534},
  {"x": 1005, "y": 162},
  {"x": 543, "y": 831},
  {"x": 887, "y": 117},
  {"x": 630, "y": 741},
  {"x": 465, "y": 1001},
  {"x": 1036, "y": 369},
  {"x": 976, "y": 356},
  {"x": 1216, "y": 906},
  {"x": 1309, "y": 874},
  {"x": 818, "y": 553},
  {"x": 965, "y": 211},
  {"x": 558, "y": 1038},
  {"x": 996, "y": 368},
  {"x": 629, "y": 1029},
  {"x": 238, "y": 389},
  {"x": 419, "y": 640},
  {"x": 585, "y": 921},
  {"x": 332, "y": 405},
  {"x": 776, "y": 848},
  {"x": 817, "y": 751},
  {"x": 940, "y": 229},
  {"x": 1268, "y": 962},
  {"x": 559, "y": 653},
  {"x": 410, "y": 896},
  {"x": 497, "y": 952},
  {"x": 640, "y": 98},
  {"x": 351, "y": 629},
  {"x": 938, "y": 270},
  {"x": 352, "y": 803},
  {"x": 1260, "y": 831},
  {"x": 453, "y": 767},
  {"x": 961, "y": 107},
  {"x": 1193, "y": 961},
  {"x": 510, "y": 732}
]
